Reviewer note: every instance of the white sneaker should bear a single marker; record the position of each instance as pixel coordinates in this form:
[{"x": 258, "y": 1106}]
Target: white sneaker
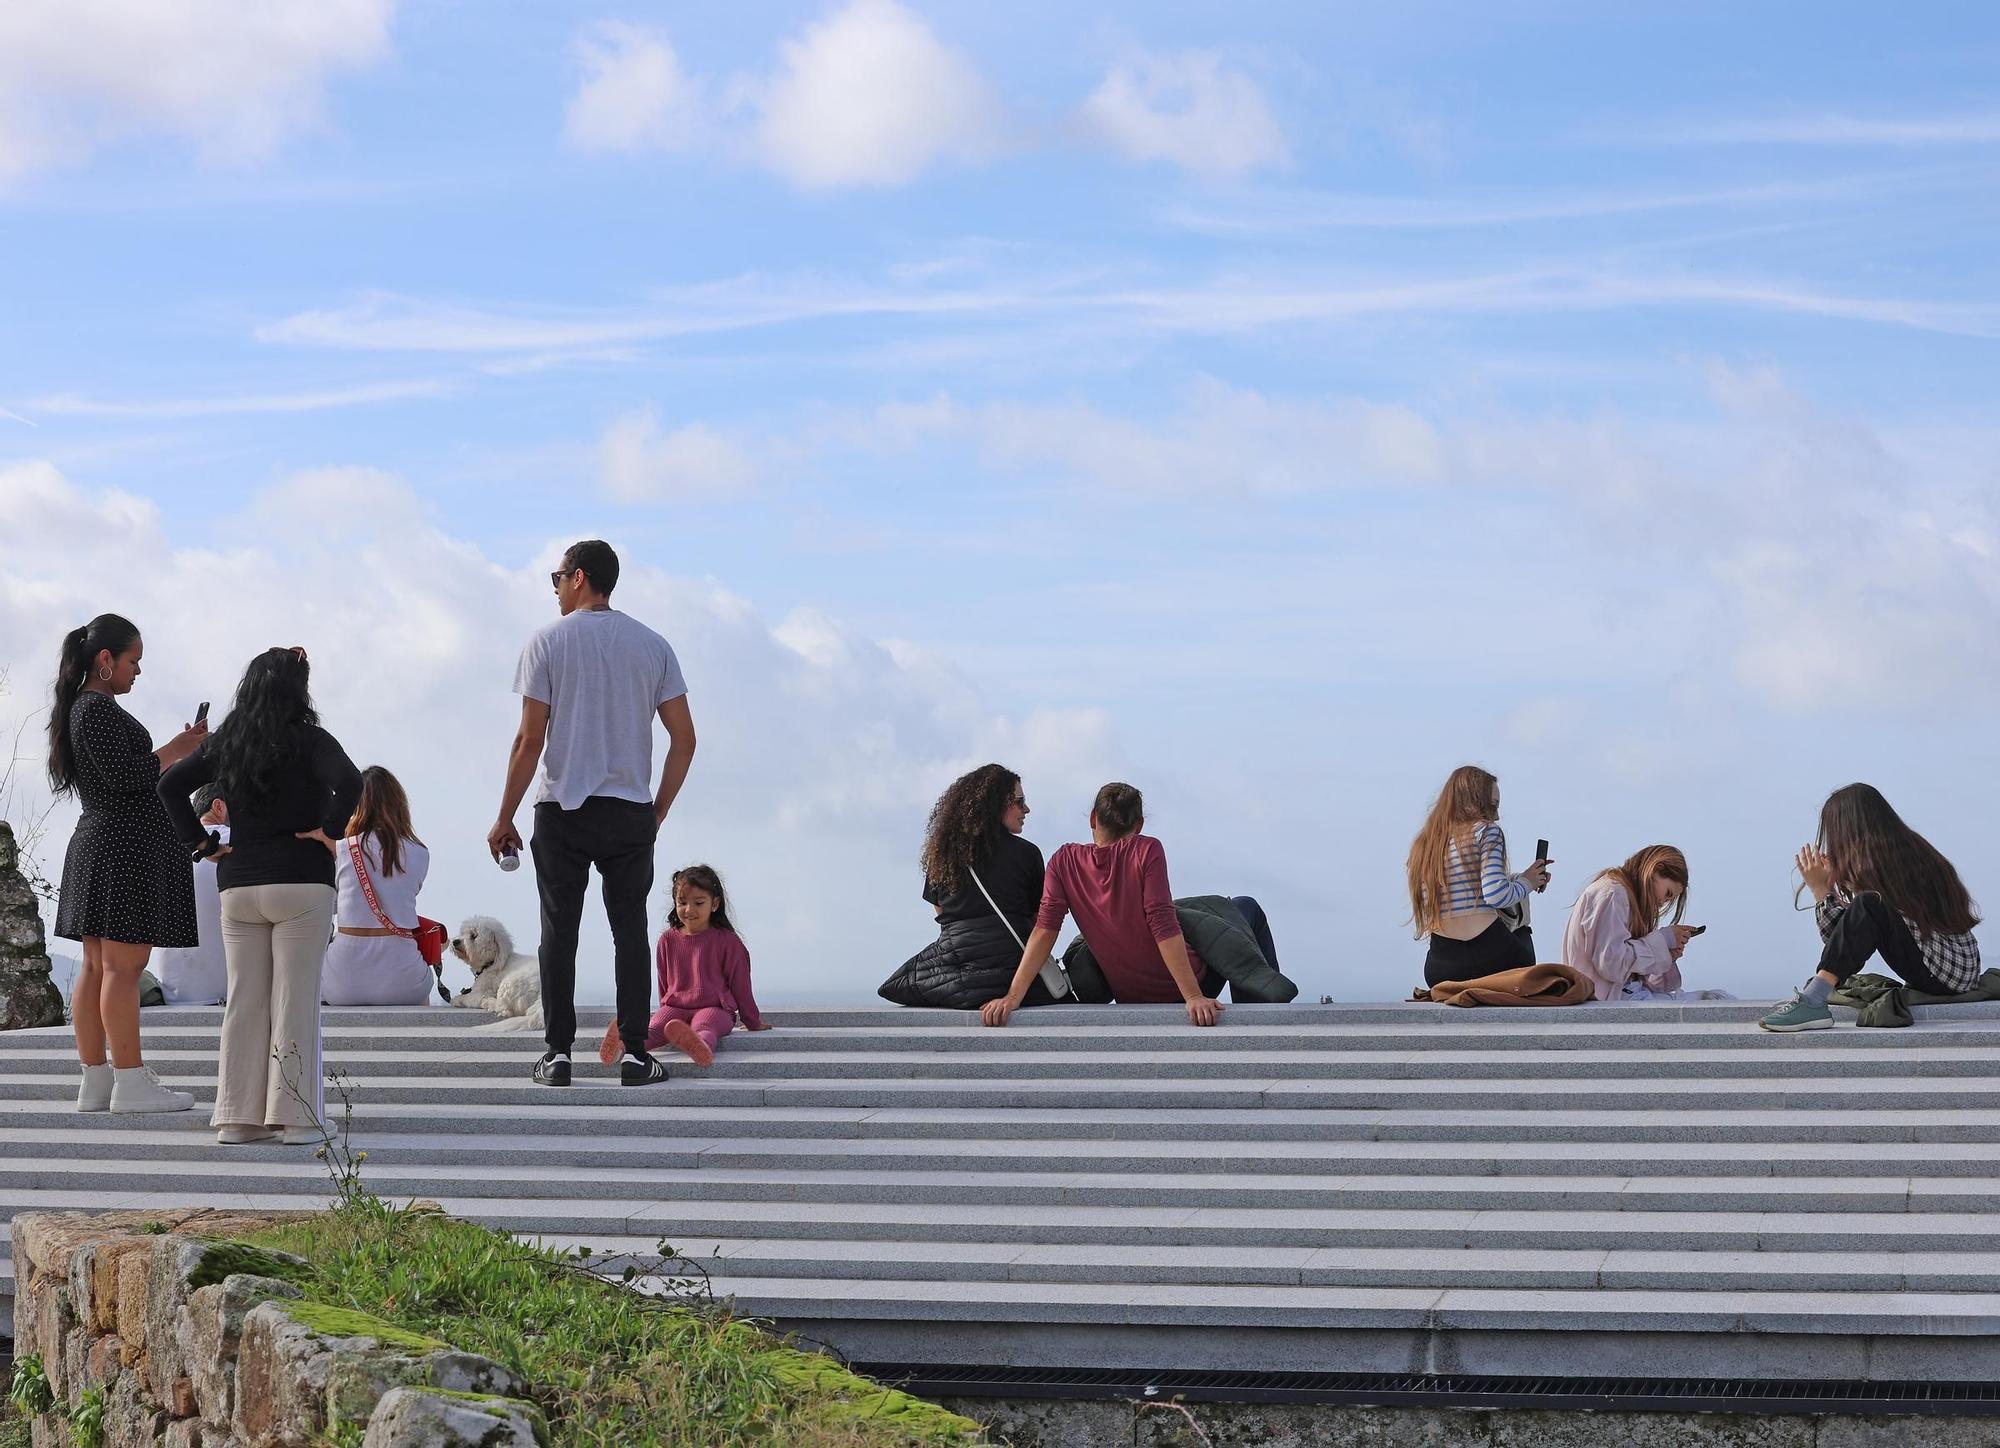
[
  {"x": 243, "y": 1135},
  {"x": 302, "y": 1136},
  {"x": 95, "y": 1093},
  {"x": 137, "y": 1090}
]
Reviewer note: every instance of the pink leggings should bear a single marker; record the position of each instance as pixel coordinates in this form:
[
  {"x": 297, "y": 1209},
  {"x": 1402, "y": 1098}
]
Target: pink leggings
[{"x": 711, "y": 1023}]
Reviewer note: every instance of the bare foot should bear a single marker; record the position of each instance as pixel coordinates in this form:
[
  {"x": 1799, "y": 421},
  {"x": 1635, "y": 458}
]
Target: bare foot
[
  {"x": 681, "y": 1036},
  {"x": 610, "y": 1048}
]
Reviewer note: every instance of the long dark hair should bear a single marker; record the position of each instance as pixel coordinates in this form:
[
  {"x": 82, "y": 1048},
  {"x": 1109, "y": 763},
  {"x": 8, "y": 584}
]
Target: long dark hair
[
  {"x": 704, "y": 879},
  {"x": 384, "y": 812},
  {"x": 1872, "y": 849},
  {"x": 79, "y": 647},
  {"x": 266, "y": 727},
  {"x": 965, "y": 825}
]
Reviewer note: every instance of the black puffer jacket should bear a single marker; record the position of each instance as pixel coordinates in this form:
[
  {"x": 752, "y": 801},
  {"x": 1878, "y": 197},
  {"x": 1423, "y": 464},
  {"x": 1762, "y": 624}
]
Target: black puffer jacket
[{"x": 970, "y": 963}]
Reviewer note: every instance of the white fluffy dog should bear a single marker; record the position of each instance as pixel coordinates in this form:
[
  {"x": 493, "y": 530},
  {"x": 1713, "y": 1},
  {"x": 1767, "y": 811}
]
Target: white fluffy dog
[{"x": 505, "y": 981}]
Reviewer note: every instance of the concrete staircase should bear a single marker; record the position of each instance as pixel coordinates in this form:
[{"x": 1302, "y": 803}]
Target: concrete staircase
[{"x": 1645, "y": 1190}]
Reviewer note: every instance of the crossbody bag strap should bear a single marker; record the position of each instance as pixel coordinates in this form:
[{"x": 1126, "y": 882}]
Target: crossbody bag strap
[
  {"x": 360, "y": 862},
  {"x": 1054, "y": 976},
  {"x": 996, "y": 907}
]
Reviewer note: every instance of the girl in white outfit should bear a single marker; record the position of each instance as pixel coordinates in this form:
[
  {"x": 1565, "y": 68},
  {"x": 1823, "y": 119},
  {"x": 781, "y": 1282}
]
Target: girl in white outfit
[{"x": 369, "y": 962}]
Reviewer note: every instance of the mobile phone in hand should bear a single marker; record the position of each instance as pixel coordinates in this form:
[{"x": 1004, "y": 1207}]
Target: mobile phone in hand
[
  {"x": 201, "y": 714},
  {"x": 1541, "y": 857},
  {"x": 1696, "y": 929}
]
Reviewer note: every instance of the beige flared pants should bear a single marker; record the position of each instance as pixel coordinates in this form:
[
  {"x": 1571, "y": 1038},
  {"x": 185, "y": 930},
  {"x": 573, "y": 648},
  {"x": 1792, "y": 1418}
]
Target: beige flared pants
[{"x": 274, "y": 938}]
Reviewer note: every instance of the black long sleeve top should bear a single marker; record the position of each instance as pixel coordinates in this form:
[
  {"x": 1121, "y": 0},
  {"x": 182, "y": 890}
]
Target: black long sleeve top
[{"x": 316, "y": 789}]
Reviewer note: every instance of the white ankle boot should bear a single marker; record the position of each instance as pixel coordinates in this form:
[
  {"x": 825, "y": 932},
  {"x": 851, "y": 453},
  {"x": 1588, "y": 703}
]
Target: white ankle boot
[
  {"x": 135, "y": 1089},
  {"x": 95, "y": 1093}
]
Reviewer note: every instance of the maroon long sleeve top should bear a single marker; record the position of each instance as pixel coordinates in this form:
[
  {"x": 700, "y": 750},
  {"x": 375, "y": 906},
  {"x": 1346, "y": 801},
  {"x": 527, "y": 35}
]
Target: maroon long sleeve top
[{"x": 1125, "y": 909}]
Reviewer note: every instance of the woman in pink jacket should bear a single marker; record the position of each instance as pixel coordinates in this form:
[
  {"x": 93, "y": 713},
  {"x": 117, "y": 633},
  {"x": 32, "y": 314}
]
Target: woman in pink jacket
[{"x": 1614, "y": 933}]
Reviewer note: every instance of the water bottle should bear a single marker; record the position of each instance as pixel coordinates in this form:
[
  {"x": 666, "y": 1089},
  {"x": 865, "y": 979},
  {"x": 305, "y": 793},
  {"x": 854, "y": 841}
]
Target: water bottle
[{"x": 510, "y": 858}]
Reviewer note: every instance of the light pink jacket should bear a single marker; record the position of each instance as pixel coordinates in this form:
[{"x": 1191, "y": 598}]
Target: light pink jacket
[{"x": 1598, "y": 941}]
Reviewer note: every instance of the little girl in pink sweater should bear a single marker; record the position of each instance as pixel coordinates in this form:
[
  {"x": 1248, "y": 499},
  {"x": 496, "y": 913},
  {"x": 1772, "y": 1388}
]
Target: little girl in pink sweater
[{"x": 704, "y": 972}]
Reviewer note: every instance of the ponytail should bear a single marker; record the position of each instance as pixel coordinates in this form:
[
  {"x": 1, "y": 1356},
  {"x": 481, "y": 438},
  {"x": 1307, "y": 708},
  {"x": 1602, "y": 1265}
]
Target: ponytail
[{"x": 79, "y": 647}]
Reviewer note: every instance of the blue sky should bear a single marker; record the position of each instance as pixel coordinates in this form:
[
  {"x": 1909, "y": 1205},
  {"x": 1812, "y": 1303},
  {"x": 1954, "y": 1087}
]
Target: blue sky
[{"x": 1275, "y": 405}]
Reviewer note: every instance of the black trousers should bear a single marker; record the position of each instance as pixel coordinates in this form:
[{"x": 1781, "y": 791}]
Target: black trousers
[
  {"x": 1492, "y": 950},
  {"x": 1869, "y": 927},
  {"x": 615, "y": 835}
]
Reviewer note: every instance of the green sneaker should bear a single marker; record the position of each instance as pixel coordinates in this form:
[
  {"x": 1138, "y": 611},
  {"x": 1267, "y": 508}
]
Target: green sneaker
[{"x": 1800, "y": 1015}]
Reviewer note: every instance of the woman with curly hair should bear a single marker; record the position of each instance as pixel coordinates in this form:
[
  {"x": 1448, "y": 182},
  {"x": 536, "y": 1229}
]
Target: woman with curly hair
[{"x": 983, "y": 881}]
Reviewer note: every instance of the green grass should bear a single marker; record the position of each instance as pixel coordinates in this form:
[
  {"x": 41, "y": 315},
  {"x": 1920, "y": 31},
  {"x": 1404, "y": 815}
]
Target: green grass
[{"x": 609, "y": 1366}]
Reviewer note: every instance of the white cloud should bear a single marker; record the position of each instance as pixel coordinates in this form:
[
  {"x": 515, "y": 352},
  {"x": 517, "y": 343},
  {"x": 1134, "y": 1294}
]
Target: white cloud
[
  {"x": 821, "y": 749},
  {"x": 1829, "y": 129},
  {"x": 1189, "y": 109},
  {"x": 75, "y": 405},
  {"x": 633, "y": 94},
  {"x": 640, "y": 463},
  {"x": 869, "y": 96},
  {"x": 236, "y": 81},
  {"x": 1219, "y": 441}
]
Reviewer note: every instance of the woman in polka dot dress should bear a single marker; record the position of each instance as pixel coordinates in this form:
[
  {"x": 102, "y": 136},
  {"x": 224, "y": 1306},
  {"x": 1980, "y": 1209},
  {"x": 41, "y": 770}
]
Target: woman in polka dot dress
[{"x": 126, "y": 884}]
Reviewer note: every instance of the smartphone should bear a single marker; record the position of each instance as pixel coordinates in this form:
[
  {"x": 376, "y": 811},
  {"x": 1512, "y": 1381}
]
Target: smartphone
[
  {"x": 201, "y": 714},
  {"x": 1696, "y": 929},
  {"x": 1541, "y": 853}
]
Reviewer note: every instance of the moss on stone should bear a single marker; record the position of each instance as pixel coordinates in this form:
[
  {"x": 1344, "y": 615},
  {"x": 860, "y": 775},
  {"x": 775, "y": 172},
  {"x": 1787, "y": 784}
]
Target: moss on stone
[
  {"x": 853, "y": 1398},
  {"x": 347, "y": 1322},
  {"x": 226, "y": 1259}
]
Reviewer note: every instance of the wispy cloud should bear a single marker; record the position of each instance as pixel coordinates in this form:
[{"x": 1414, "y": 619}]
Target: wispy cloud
[
  {"x": 1201, "y": 305},
  {"x": 1972, "y": 128},
  {"x": 72, "y": 404},
  {"x": 1275, "y": 212}
]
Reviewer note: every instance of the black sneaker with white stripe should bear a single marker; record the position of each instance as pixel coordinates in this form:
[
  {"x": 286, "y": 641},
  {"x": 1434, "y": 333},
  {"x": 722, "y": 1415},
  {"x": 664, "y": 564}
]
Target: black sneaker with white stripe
[
  {"x": 642, "y": 1069},
  {"x": 552, "y": 1070}
]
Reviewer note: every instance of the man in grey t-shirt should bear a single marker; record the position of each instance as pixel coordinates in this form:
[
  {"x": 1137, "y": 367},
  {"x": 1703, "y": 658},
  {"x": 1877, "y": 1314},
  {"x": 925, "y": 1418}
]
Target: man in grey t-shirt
[{"x": 591, "y": 684}]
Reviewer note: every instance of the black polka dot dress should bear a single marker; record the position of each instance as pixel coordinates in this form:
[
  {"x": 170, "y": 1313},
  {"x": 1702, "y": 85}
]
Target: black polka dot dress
[{"x": 127, "y": 876}]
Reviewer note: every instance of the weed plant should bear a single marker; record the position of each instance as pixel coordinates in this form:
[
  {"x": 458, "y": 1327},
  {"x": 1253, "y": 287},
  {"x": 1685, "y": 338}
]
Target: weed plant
[{"x": 609, "y": 1364}]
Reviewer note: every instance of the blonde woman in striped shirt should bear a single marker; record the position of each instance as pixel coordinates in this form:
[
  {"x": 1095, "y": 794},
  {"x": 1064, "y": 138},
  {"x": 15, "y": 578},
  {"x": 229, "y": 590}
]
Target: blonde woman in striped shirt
[{"x": 1460, "y": 884}]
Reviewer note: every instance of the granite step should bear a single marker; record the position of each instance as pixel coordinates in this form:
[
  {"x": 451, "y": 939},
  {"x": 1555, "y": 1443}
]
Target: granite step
[
  {"x": 971, "y": 1063},
  {"x": 668, "y": 1150},
  {"x": 564, "y": 1112},
  {"x": 597, "y": 1087},
  {"x": 918, "y": 1188}
]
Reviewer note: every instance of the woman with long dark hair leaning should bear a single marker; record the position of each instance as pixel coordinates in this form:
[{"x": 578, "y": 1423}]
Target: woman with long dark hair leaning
[
  {"x": 126, "y": 887},
  {"x": 291, "y": 790},
  {"x": 983, "y": 881},
  {"x": 378, "y": 871},
  {"x": 1880, "y": 888}
]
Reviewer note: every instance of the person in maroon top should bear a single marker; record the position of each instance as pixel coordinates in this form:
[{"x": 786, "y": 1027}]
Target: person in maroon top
[{"x": 1116, "y": 887}]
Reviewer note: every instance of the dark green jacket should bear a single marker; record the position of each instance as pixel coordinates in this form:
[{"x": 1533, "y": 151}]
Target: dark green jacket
[
  {"x": 1217, "y": 932},
  {"x": 1883, "y": 1001}
]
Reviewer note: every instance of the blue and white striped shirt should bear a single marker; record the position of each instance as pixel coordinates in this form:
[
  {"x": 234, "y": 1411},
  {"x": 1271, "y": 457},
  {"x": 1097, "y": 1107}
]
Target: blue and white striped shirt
[{"x": 1482, "y": 883}]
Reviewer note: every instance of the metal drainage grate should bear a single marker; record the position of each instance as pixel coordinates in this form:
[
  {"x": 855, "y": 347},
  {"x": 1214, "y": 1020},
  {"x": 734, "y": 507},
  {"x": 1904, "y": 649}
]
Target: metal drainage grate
[{"x": 1659, "y": 1395}]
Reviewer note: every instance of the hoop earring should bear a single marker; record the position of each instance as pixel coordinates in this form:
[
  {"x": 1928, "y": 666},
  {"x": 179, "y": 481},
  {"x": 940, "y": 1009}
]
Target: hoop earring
[{"x": 104, "y": 674}]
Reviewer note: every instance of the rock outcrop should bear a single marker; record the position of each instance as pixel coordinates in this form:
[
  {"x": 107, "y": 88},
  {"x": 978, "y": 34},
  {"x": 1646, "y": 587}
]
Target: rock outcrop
[{"x": 28, "y": 997}]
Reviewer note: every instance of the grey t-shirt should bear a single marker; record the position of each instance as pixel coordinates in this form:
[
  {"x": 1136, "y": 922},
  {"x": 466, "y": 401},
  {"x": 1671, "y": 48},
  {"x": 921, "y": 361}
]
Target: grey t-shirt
[{"x": 604, "y": 676}]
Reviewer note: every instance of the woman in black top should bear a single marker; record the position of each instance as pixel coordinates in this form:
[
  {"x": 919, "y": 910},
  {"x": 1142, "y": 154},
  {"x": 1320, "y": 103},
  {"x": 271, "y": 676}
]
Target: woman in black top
[
  {"x": 291, "y": 790},
  {"x": 974, "y": 840},
  {"x": 125, "y": 885}
]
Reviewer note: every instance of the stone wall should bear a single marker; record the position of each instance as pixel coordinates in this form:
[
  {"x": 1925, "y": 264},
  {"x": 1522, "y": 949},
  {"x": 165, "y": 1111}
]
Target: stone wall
[
  {"x": 183, "y": 1339},
  {"x": 27, "y": 996}
]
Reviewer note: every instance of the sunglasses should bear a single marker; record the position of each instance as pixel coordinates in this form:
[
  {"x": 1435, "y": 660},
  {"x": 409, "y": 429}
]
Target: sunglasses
[{"x": 556, "y": 578}]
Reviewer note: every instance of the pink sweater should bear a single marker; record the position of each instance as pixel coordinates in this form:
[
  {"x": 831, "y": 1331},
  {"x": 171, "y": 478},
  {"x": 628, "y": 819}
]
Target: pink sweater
[
  {"x": 1124, "y": 907},
  {"x": 709, "y": 969},
  {"x": 1598, "y": 941}
]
